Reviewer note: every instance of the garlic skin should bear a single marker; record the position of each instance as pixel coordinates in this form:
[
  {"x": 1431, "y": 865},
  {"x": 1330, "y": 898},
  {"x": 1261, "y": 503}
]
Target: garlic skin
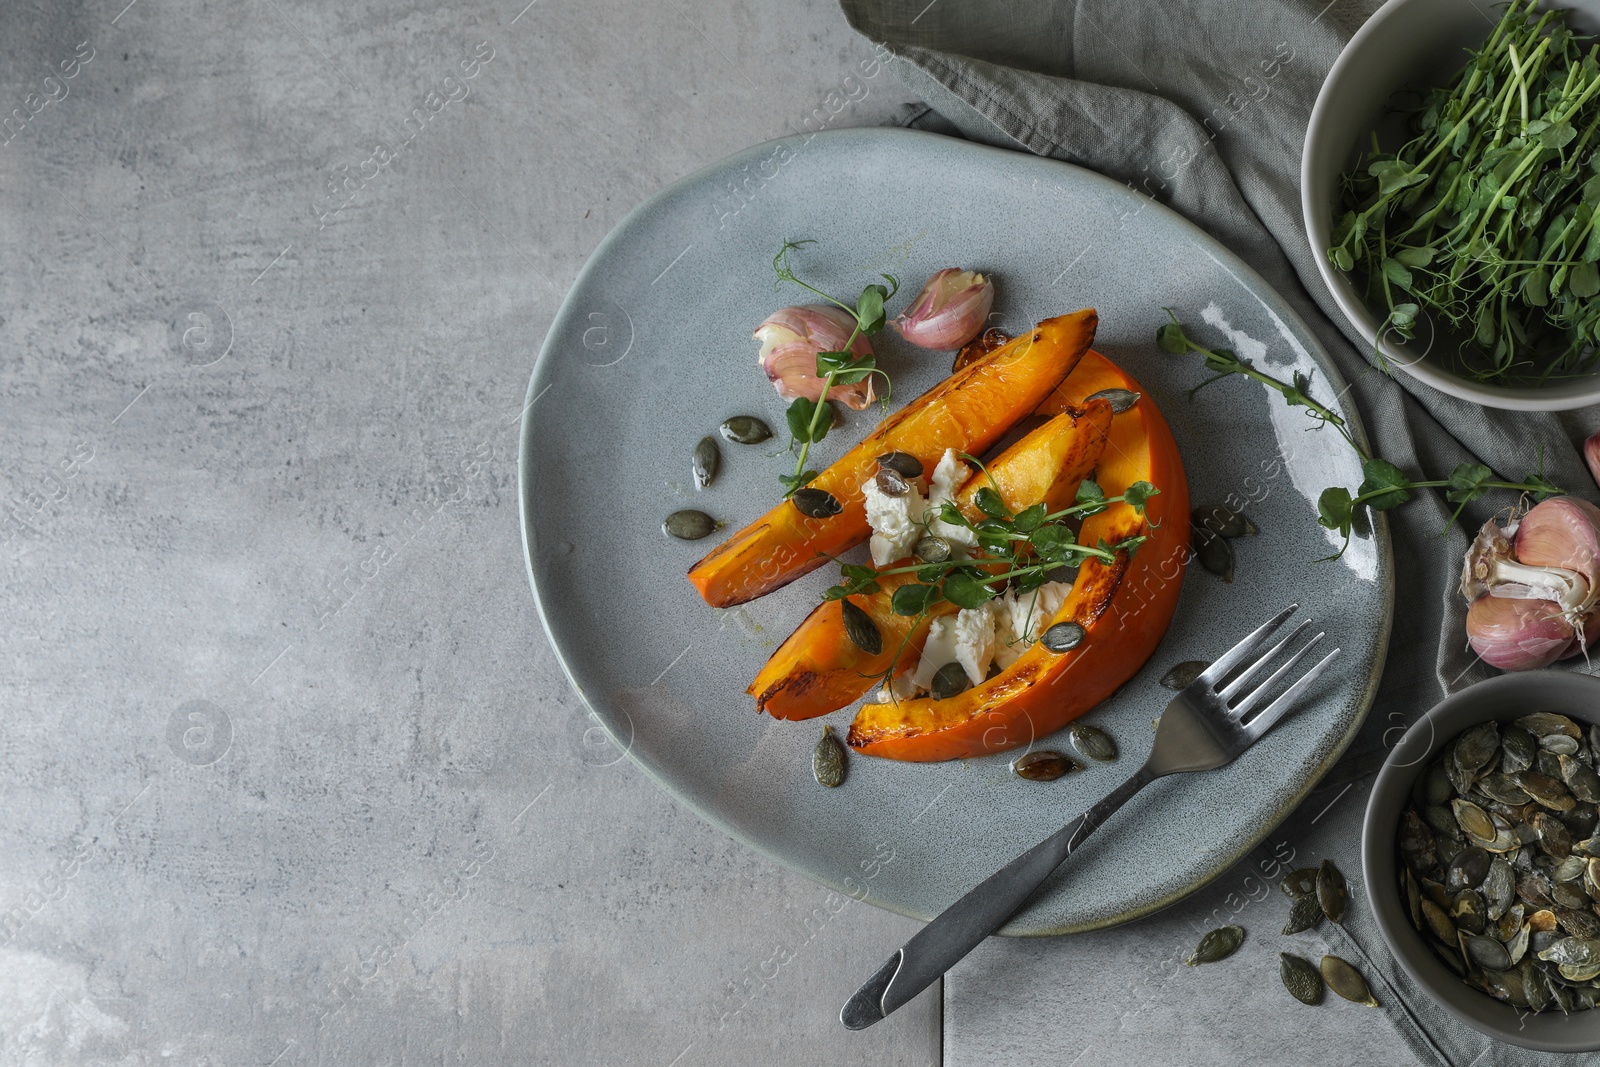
[
  {"x": 1534, "y": 586},
  {"x": 950, "y": 311},
  {"x": 1519, "y": 635},
  {"x": 790, "y": 340}
]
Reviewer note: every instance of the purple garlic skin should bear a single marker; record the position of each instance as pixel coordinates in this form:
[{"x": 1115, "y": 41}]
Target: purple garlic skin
[
  {"x": 1534, "y": 586},
  {"x": 950, "y": 310}
]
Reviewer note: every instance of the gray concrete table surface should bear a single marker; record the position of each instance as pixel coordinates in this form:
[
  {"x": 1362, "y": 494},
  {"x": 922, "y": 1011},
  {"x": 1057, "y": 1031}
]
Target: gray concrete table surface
[{"x": 290, "y": 773}]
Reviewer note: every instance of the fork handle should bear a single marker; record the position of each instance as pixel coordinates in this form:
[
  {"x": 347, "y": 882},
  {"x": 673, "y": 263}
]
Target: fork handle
[{"x": 959, "y": 929}]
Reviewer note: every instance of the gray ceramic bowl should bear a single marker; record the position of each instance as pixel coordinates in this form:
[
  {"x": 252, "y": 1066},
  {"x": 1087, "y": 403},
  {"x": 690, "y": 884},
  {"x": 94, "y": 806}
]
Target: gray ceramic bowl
[
  {"x": 1504, "y": 698},
  {"x": 1408, "y": 43}
]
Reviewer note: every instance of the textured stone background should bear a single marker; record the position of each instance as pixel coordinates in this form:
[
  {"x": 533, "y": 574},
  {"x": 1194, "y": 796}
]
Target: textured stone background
[{"x": 290, "y": 775}]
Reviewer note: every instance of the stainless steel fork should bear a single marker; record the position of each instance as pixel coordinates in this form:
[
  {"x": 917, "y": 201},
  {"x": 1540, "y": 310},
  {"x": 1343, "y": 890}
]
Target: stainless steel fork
[{"x": 1205, "y": 727}]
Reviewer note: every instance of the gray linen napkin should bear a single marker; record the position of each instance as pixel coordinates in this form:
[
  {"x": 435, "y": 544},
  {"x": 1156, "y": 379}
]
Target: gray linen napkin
[{"x": 1204, "y": 105}]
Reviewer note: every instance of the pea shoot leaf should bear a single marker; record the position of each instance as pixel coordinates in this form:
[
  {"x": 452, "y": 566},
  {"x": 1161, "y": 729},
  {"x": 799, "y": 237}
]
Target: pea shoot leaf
[
  {"x": 1137, "y": 493},
  {"x": 1170, "y": 338},
  {"x": 1090, "y": 493},
  {"x": 1467, "y": 483},
  {"x": 1053, "y": 541},
  {"x": 965, "y": 590},
  {"x": 1333, "y": 509},
  {"x": 990, "y": 504},
  {"x": 912, "y": 599},
  {"x": 799, "y": 416},
  {"x": 1029, "y": 519},
  {"x": 1387, "y": 482},
  {"x": 1541, "y": 487}
]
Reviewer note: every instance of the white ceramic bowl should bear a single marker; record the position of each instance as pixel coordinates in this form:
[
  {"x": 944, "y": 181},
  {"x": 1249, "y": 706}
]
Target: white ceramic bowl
[{"x": 1408, "y": 43}]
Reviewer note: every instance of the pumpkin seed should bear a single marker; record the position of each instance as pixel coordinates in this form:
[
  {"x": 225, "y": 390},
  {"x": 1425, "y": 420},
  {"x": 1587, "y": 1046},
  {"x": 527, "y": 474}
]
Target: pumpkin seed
[
  {"x": 1469, "y": 911},
  {"x": 1518, "y": 748},
  {"x": 1303, "y": 981},
  {"x": 1560, "y": 744},
  {"x": 1346, "y": 981},
  {"x": 1300, "y": 883},
  {"x": 932, "y": 549},
  {"x": 1120, "y": 399},
  {"x": 1554, "y": 837},
  {"x": 1215, "y": 556},
  {"x": 1330, "y": 890},
  {"x": 1044, "y": 766},
  {"x": 1486, "y": 952},
  {"x": 1467, "y": 870},
  {"x": 1183, "y": 675},
  {"x": 902, "y": 463},
  {"x": 707, "y": 459},
  {"x": 861, "y": 630},
  {"x": 1222, "y": 521},
  {"x": 816, "y": 503},
  {"x": 1569, "y": 870},
  {"x": 1503, "y": 788},
  {"x": 1216, "y": 945},
  {"x": 1582, "y": 952},
  {"x": 1093, "y": 742},
  {"x": 1473, "y": 820},
  {"x": 1579, "y": 923},
  {"x": 1581, "y": 779},
  {"x": 745, "y": 430},
  {"x": 1477, "y": 747},
  {"x": 1543, "y": 723},
  {"x": 1304, "y": 913},
  {"x": 1439, "y": 922},
  {"x": 689, "y": 525},
  {"x": 1063, "y": 637},
  {"x": 950, "y": 680},
  {"x": 1499, "y": 887},
  {"x": 891, "y": 483},
  {"x": 1569, "y": 895},
  {"x": 1546, "y": 791},
  {"x": 1517, "y": 946},
  {"x": 827, "y": 760}
]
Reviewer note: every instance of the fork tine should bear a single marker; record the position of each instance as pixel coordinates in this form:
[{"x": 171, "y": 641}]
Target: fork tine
[
  {"x": 1259, "y": 693},
  {"x": 1274, "y": 711},
  {"x": 1236, "y": 655},
  {"x": 1262, "y": 660}
]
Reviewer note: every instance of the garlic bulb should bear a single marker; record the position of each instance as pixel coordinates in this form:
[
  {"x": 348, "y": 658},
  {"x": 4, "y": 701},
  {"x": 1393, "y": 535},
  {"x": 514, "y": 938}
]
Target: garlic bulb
[
  {"x": 790, "y": 340},
  {"x": 950, "y": 311},
  {"x": 1534, "y": 586}
]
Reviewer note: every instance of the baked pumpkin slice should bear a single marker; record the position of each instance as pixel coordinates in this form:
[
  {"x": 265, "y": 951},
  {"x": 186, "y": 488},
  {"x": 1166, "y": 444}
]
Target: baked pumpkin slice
[
  {"x": 819, "y": 668},
  {"x": 968, "y": 411},
  {"x": 1123, "y": 606}
]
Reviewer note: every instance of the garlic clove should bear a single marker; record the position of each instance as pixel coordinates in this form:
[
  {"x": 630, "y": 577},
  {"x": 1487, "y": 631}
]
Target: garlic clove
[
  {"x": 1562, "y": 532},
  {"x": 790, "y": 340},
  {"x": 1591, "y": 456},
  {"x": 1519, "y": 635},
  {"x": 951, "y": 310}
]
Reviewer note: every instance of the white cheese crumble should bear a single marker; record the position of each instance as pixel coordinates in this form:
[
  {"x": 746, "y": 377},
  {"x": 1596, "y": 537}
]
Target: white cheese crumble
[
  {"x": 896, "y": 521},
  {"x": 966, "y": 637},
  {"x": 1019, "y": 618},
  {"x": 948, "y": 478},
  {"x": 996, "y": 633}
]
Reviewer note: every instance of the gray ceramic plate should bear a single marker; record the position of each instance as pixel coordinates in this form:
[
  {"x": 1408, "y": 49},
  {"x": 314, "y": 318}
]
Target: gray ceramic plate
[{"x": 652, "y": 350}]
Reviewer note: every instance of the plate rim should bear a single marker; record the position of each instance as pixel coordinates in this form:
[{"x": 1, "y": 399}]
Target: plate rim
[{"x": 1224, "y": 256}]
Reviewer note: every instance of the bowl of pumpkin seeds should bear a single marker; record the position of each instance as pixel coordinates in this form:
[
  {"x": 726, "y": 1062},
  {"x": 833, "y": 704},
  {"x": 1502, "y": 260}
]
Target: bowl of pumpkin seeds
[{"x": 1481, "y": 850}]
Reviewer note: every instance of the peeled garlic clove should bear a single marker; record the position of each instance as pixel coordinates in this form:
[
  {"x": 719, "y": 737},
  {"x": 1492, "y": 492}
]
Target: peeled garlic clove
[
  {"x": 790, "y": 340},
  {"x": 1519, "y": 635},
  {"x": 950, "y": 311}
]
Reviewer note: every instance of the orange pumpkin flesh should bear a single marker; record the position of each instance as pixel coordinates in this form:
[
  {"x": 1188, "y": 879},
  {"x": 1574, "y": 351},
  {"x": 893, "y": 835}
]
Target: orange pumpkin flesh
[
  {"x": 968, "y": 411},
  {"x": 818, "y": 669},
  {"x": 1124, "y": 607}
]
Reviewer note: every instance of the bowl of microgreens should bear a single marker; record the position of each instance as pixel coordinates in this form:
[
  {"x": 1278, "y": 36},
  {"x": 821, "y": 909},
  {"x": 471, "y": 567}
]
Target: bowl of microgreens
[{"x": 1451, "y": 189}]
